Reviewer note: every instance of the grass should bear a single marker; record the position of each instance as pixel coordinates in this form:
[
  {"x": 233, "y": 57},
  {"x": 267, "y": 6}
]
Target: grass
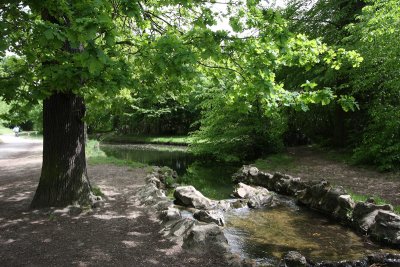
[
  {"x": 275, "y": 162},
  {"x": 339, "y": 156},
  {"x": 97, "y": 191},
  {"x": 95, "y": 156},
  {"x": 169, "y": 140},
  {"x": 5, "y": 130},
  {"x": 378, "y": 200},
  {"x": 114, "y": 161}
]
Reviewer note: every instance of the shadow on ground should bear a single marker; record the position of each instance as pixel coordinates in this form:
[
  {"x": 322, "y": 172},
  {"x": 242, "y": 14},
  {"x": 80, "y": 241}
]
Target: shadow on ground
[{"x": 122, "y": 233}]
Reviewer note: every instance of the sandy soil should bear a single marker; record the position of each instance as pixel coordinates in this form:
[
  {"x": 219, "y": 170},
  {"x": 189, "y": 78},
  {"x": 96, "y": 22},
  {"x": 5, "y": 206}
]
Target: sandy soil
[{"x": 122, "y": 233}]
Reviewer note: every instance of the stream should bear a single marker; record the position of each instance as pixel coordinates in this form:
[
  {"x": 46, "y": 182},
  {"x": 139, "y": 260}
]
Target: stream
[{"x": 264, "y": 235}]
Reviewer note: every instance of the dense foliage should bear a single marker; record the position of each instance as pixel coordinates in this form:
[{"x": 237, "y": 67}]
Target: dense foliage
[
  {"x": 377, "y": 83},
  {"x": 162, "y": 67},
  {"x": 370, "y": 27}
]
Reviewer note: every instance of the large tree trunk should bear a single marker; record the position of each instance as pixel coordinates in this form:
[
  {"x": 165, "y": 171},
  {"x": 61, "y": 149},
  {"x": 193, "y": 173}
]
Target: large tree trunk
[{"x": 63, "y": 180}]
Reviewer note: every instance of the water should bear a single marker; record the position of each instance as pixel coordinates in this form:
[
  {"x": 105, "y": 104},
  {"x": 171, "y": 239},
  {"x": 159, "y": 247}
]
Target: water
[
  {"x": 174, "y": 157},
  {"x": 212, "y": 179},
  {"x": 265, "y": 234}
]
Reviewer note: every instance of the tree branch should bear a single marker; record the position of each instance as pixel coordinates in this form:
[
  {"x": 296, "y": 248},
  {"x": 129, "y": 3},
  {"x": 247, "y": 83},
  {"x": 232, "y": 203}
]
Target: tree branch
[{"x": 222, "y": 68}]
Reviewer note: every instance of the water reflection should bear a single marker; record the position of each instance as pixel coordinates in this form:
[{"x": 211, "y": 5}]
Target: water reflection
[
  {"x": 176, "y": 158},
  {"x": 213, "y": 179}
]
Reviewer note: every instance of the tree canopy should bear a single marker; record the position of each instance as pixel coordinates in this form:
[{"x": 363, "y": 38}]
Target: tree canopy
[{"x": 67, "y": 51}]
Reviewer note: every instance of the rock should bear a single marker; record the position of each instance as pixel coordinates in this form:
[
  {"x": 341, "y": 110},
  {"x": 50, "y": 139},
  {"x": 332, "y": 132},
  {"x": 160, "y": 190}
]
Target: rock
[
  {"x": 385, "y": 259},
  {"x": 333, "y": 201},
  {"x": 180, "y": 228},
  {"x": 293, "y": 259},
  {"x": 189, "y": 196},
  {"x": 345, "y": 208},
  {"x": 98, "y": 204},
  {"x": 149, "y": 194},
  {"x": 163, "y": 204},
  {"x": 234, "y": 260},
  {"x": 154, "y": 180},
  {"x": 295, "y": 184},
  {"x": 75, "y": 210},
  {"x": 386, "y": 228},
  {"x": 379, "y": 221},
  {"x": 245, "y": 191},
  {"x": 313, "y": 193},
  {"x": 364, "y": 214},
  {"x": 206, "y": 236},
  {"x": 210, "y": 216},
  {"x": 253, "y": 171},
  {"x": 242, "y": 175},
  {"x": 96, "y": 201},
  {"x": 170, "y": 214},
  {"x": 258, "y": 196},
  {"x": 166, "y": 176},
  {"x": 223, "y": 205},
  {"x": 338, "y": 203},
  {"x": 251, "y": 175},
  {"x": 280, "y": 183},
  {"x": 229, "y": 204},
  {"x": 344, "y": 263}
]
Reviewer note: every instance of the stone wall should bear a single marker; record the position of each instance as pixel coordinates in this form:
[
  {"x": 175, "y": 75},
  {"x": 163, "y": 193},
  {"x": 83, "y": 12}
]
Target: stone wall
[
  {"x": 197, "y": 228},
  {"x": 196, "y": 222},
  {"x": 378, "y": 221}
]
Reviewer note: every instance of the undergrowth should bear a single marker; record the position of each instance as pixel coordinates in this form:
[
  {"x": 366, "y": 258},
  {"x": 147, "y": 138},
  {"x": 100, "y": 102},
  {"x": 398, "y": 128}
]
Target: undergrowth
[{"x": 274, "y": 162}]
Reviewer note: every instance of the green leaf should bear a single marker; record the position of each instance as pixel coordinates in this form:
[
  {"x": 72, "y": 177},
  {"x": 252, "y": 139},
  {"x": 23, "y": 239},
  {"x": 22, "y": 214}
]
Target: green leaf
[{"x": 49, "y": 34}]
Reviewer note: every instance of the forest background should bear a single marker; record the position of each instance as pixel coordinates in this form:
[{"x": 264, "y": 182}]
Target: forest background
[{"x": 347, "y": 96}]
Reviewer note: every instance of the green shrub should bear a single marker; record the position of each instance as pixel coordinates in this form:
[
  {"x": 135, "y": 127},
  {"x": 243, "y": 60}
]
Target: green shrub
[
  {"x": 232, "y": 134},
  {"x": 380, "y": 145},
  {"x": 97, "y": 191}
]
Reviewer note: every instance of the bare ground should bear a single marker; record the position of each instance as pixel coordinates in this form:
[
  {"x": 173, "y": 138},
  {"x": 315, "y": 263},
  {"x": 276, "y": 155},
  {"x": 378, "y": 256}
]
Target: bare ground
[
  {"x": 311, "y": 164},
  {"x": 122, "y": 233}
]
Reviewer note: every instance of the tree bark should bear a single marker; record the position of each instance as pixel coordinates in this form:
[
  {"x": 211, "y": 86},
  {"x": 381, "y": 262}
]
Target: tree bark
[{"x": 63, "y": 179}]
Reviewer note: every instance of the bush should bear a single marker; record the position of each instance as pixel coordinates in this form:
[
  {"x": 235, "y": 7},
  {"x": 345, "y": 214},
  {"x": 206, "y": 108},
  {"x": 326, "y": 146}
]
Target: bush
[
  {"x": 230, "y": 134},
  {"x": 380, "y": 145}
]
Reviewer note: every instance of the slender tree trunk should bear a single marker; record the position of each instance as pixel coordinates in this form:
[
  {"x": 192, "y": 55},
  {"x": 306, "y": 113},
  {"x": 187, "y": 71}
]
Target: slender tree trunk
[
  {"x": 63, "y": 180},
  {"x": 339, "y": 129}
]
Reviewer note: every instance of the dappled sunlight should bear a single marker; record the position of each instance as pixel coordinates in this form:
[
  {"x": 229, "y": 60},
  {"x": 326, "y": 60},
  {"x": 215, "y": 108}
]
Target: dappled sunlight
[
  {"x": 108, "y": 216},
  {"x": 152, "y": 261},
  {"x": 20, "y": 196},
  {"x": 62, "y": 211},
  {"x": 129, "y": 244},
  {"x": 137, "y": 234},
  {"x": 80, "y": 264},
  {"x": 36, "y": 222},
  {"x": 176, "y": 249},
  {"x": 121, "y": 231},
  {"x": 110, "y": 191},
  {"x": 134, "y": 214},
  {"x": 8, "y": 223},
  {"x": 99, "y": 255},
  {"x": 8, "y": 241}
]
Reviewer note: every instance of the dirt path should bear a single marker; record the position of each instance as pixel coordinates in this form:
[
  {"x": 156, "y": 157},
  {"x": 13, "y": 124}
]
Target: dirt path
[
  {"x": 120, "y": 234},
  {"x": 312, "y": 164}
]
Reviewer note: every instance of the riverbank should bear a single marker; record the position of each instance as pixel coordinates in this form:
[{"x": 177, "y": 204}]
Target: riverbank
[
  {"x": 313, "y": 164},
  {"x": 212, "y": 178},
  {"x": 135, "y": 139}
]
